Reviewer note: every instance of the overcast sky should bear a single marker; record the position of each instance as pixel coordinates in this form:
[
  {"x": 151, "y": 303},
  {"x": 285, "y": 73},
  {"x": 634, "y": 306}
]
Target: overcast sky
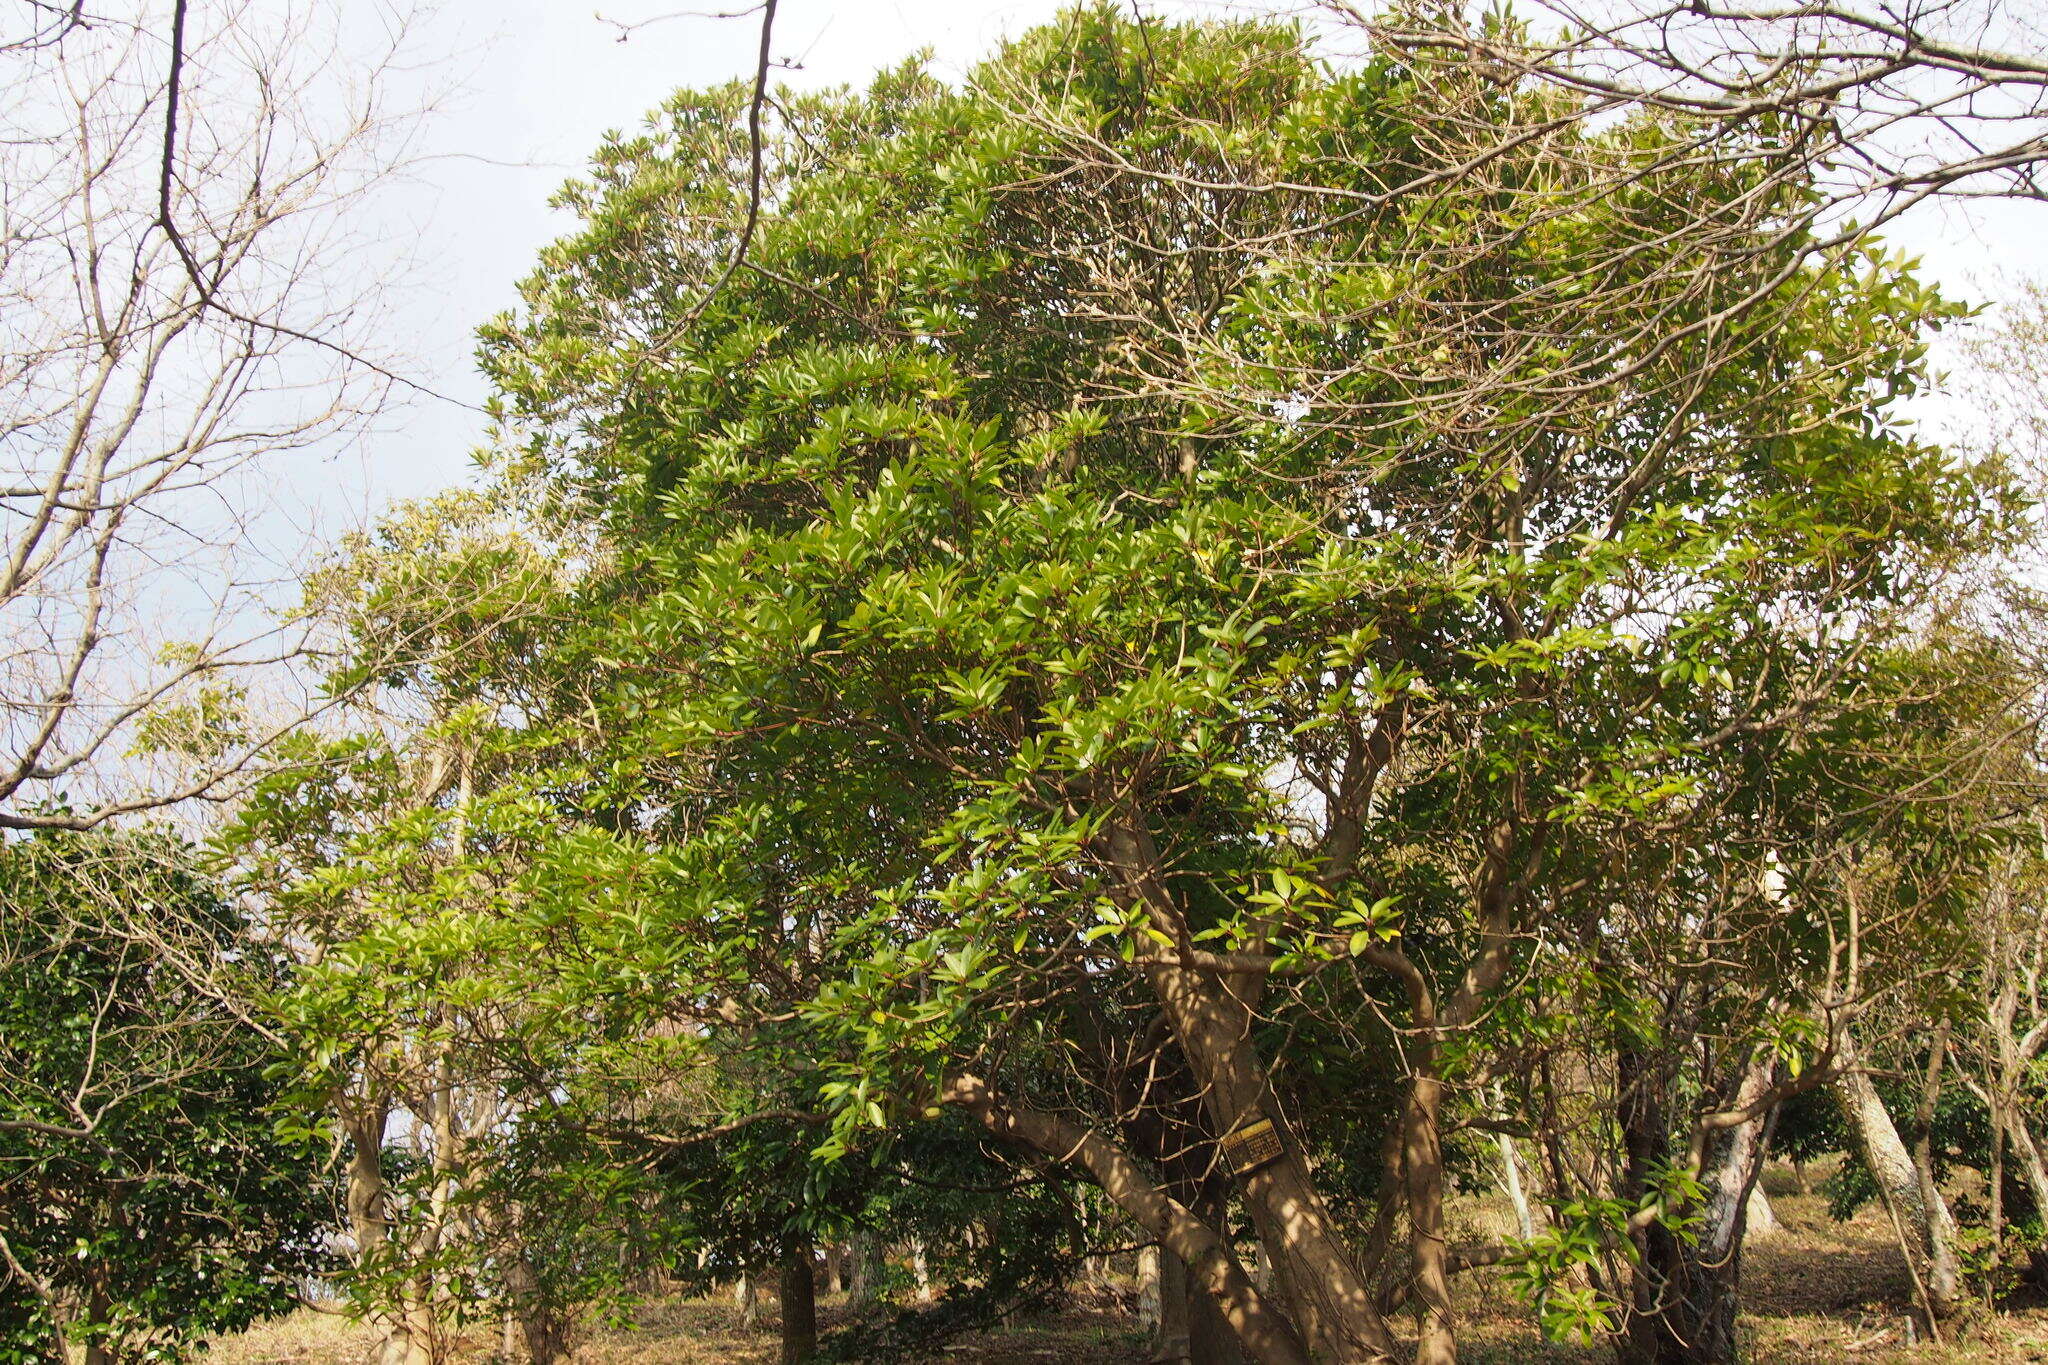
[{"x": 534, "y": 84}]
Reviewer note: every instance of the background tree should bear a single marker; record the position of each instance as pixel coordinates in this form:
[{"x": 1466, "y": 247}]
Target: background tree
[
  {"x": 187, "y": 307},
  {"x": 147, "y": 1203}
]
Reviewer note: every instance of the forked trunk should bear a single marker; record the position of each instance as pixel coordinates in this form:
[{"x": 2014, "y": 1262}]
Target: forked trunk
[
  {"x": 1211, "y": 1012},
  {"x": 1266, "y": 1333},
  {"x": 1919, "y": 1207},
  {"x": 1687, "y": 1292},
  {"x": 1329, "y": 1299},
  {"x": 1327, "y": 1296}
]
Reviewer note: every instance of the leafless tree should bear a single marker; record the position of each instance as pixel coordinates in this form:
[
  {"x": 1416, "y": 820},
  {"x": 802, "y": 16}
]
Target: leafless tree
[
  {"x": 186, "y": 309},
  {"x": 1897, "y": 100}
]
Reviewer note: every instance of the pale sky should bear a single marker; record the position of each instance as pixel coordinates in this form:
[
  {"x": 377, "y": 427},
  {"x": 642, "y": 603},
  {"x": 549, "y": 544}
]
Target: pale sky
[{"x": 535, "y": 84}]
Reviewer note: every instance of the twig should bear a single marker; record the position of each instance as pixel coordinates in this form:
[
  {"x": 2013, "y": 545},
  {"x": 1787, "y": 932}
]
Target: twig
[{"x": 208, "y": 297}]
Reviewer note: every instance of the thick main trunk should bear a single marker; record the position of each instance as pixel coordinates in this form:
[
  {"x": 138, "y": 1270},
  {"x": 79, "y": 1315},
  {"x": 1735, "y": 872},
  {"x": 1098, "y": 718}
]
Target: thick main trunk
[
  {"x": 1210, "y": 1339},
  {"x": 1211, "y": 1015},
  {"x": 398, "y": 1327},
  {"x": 1190, "y": 1329},
  {"x": 98, "y": 1306},
  {"x": 1687, "y": 1292},
  {"x": 540, "y": 1324},
  {"x": 1707, "y": 1275},
  {"x": 1170, "y": 1344},
  {"x": 1919, "y": 1206},
  {"x": 1422, "y": 1165},
  {"x": 1329, "y": 1299},
  {"x": 799, "y": 1306},
  {"x": 1265, "y": 1332}
]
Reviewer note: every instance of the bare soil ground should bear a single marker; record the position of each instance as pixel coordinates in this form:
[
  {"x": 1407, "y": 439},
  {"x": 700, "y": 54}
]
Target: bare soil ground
[{"x": 1818, "y": 1293}]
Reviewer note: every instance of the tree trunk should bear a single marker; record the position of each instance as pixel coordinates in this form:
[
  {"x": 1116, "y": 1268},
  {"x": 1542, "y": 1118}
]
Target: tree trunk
[
  {"x": 862, "y": 1280},
  {"x": 1210, "y": 1340},
  {"x": 1329, "y": 1298},
  {"x": 98, "y": 1306},
  {"x": 1265, "y": 1332},
  {"x": 1191, "y": 1329},
  {"x": 1877, "y": 1144},
  {"x": 539, "y": 1325},
  {"x": 799, "y": 1306},
  {"x": 1149, "y": 1288},
  {"x": 1701, "y": 1322},
  {"x": 746, "y": 1296},
  {"x": 366, "y": 1201},
  {"x": 1944, "y": 1288},
  {"x": 920, "y": 1270},
  {"x": 2031, "y": 1168},
  {"x": 1422, "y": 1165},
  {"x": 1762, "y": 1220},
  {"x": 1686, "y": 1294},
  {"x": 1211, "y": 1015},
  {"x": 1511, "y": 1182},
  {"x": 835, "y": 1269},
  {"x": 1170, "y": 1343}
]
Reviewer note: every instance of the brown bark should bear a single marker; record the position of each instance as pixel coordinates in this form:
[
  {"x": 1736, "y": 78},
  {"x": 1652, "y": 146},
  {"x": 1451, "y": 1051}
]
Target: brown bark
[
  {"x": 1686, "y": 1293},
  {"x": 1422, "y": 1162},
  {"x": 540, "y": 1325},
  {"x": 746, "y": 1296},
  {"x": 1944, "y": 1264},
  {"x": 1212, "y": 1013},
  {"x": 861, "y": 1279},
  {"x": 1170, "y": 1341},
  {"x": 1264, "y": 1331},
  {"x": 1210, "y": 1340},
  {"x": 98, "y": 1306},
  {"x": 799, "y": 1305},
  {"x": 398, "y": 1338}
]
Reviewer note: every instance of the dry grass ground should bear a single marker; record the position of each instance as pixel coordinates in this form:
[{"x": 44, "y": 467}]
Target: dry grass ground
[
  {"x": 694, "y": 1332},
  {"x": 1818, "y": 1293}
]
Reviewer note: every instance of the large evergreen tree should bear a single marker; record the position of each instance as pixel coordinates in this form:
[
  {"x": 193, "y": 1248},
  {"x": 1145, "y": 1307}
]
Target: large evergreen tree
[{"x": 1156, "y": 593}]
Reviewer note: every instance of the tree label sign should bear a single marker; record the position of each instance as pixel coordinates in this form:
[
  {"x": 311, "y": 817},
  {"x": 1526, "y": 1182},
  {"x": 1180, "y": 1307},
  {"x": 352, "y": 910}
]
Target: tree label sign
[{"x": 1251, "y": 1147}]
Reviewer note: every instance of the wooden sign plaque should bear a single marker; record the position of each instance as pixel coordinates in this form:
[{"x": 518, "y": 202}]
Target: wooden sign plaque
[{"x": 1252, "y": 1146}]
